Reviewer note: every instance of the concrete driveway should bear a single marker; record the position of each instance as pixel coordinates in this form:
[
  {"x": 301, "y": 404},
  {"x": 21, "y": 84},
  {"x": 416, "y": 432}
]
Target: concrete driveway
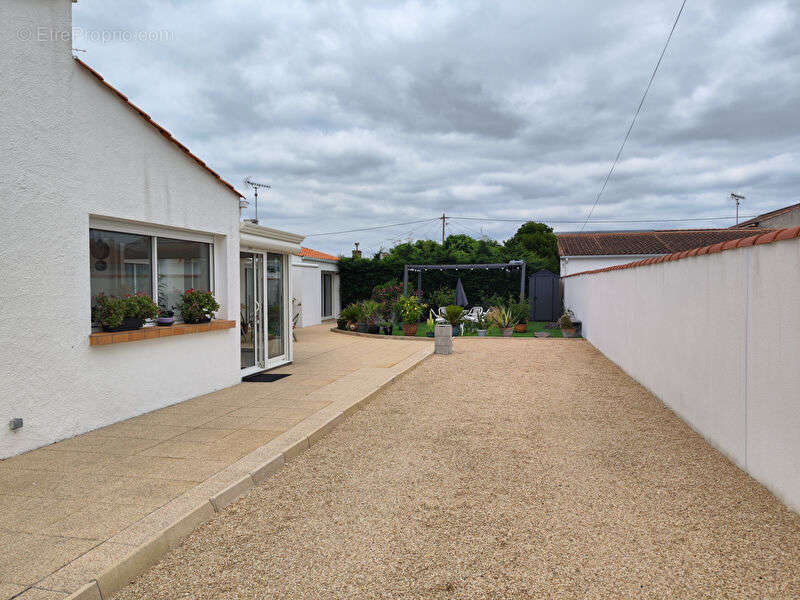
[
  {"x": 510, "y": 469},
  {"x": 72, "y": 510}
]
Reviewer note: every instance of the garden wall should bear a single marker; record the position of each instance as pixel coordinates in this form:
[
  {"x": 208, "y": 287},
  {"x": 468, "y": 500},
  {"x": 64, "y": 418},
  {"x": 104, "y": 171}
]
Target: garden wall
[{"x": 715, "y": 334}]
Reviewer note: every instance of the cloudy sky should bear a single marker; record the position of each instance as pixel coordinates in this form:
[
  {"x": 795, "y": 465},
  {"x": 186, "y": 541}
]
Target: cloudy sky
[{"x": 372, "y": 113}]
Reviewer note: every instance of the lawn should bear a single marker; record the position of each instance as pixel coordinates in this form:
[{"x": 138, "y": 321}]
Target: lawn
[{"x": 533, "y": 326}]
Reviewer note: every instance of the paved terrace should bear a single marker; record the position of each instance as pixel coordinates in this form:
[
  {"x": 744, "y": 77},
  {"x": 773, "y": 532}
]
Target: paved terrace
[
  {"x": 68, "y": 511},
  {"x": 510, "y": 469}
]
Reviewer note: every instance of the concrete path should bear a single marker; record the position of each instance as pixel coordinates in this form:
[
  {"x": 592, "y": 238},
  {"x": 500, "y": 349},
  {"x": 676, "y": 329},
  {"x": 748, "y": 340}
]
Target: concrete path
[
  {"x": 72, "y": 510},
  {"x": 524, "y": 469}
]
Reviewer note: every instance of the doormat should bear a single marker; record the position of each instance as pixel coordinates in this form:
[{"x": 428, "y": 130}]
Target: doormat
[{"x": 265, "y": 377}]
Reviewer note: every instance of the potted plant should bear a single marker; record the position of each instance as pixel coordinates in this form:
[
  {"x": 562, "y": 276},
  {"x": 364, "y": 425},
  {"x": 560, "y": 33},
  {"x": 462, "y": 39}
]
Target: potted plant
[
  {"x": 166, "y": 317},
  {"x": 454, "y": 314},
  {"x": 363, "y": 326},
  {"x": 410, "y": 311},
  {"x": 127, "y": 313},
  {"x": 521, "y": 311},
  {"x": 387, "y": 327},
  {"x": 371, "y": 310},
  {"x": 503, "y": 317},
  {"x": 566, "y": 324},
  {"x": 349, "y": 315},
  {"x": 430, "y": 325},
  {"x": 482, "y": 325},
  {"x": 341, "y": 322},
  {"x": 197, "y": 306}
]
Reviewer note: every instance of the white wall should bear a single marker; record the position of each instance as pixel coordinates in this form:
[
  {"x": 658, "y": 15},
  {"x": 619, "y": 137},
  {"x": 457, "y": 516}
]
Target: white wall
[
  {"x": 717, "y": 339},
  {"x": 307, "y": 289},
  {"x": 578, "y": 264},
  {"x": 70, "y": 150}
]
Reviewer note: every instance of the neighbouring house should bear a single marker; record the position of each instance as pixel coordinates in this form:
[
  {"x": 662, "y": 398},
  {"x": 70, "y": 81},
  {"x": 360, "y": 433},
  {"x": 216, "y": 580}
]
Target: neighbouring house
[
  {"x": 788, "y": 216},
  {"x": 315, "y": 280},
  {"x": 592, "y": 250},
  {"x": 97, "y": 197}
]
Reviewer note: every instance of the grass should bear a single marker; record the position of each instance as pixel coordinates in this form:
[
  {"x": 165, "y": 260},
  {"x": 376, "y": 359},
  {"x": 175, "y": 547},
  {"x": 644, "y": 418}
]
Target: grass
[{"x": 533, "y": 326}]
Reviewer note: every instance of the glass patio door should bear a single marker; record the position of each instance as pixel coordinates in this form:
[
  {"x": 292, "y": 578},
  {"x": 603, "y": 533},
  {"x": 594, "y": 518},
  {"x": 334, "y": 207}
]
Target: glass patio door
[
  {"x": 251, "y": 282},
  {"x": 276, "y": 309}
]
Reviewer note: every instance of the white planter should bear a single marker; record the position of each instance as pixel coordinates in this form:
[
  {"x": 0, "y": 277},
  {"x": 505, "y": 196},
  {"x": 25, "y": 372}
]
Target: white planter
[{"x": 481, "y": 333}]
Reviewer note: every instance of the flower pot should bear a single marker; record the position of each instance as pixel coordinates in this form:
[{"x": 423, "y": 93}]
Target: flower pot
[
  {"x": 429, "y": 334},
  {"x": 341, "y": 324},
  {"x": 456, "y": 330},
  {"x": 521, "y": 327},
  {"x": 352, "y": 326},
  {"x": 387, "y": 330},
  {"x": 373, "y": 329},
  {"x": 165, "y": 321},
  {"x": 410, "y": 329},
  {"x": 363, "y": 328},
  {"x": 481, "y": 333},
  {"x": 128, "y": 324},
  {"x": 507, "y": 331},
  {"x": 568, "y": 332},
  {"x": 196, "y": 321}
]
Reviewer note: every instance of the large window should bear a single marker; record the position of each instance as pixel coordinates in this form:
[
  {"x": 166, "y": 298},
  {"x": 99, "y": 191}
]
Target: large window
[
  {"x": 120, "y": 263},
  {"x": 182, "y": 265},
  {"x": 159, "y": 267}
]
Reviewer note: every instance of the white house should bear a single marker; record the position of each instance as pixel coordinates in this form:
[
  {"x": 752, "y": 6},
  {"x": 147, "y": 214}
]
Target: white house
[
  {"x": 96, "y": 197},
  {"x": 579, "y": 252},
  {"x": 315, "y": 281}
]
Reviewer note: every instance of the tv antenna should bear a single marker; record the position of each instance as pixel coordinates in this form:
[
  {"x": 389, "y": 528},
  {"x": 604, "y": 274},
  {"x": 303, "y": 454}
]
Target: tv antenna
[
  {"x": 737, "y": 198},
  {"x": 256, "y": 186}
]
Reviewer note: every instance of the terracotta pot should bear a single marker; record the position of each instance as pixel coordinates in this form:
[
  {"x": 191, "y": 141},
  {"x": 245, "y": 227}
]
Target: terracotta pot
[
  {"x": 521, "y": 327},
  {"x": 410, "y": 329},
  {"x": 507, "y": 331},
  {"x": 568, "y": 332}
]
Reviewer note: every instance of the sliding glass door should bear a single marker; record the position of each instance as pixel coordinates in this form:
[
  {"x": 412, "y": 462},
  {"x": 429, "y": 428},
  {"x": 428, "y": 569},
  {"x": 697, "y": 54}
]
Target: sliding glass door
[
  {"x": 276, "y": 307},
  {"x": 264, "y": 328},
  {"x": 251, "y": 282}
]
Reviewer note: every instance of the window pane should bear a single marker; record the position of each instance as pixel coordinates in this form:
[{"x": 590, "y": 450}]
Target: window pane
[
  {"x": 119, "y": 263},
  {"x": 182, "y": 265}
]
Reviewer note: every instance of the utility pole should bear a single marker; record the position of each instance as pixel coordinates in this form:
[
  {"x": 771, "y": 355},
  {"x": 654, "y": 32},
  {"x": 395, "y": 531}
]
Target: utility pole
[
  {"x": 444, "y": 220},
  {"x": 738, "y": 199}
]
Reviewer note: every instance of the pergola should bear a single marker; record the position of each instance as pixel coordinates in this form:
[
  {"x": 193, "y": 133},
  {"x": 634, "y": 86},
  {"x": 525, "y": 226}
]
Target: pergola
[{"x": 418, "y": 269}]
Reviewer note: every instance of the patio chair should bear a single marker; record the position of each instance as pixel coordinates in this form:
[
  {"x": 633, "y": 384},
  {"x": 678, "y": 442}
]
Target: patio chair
[{"x": 474, "y": 314}]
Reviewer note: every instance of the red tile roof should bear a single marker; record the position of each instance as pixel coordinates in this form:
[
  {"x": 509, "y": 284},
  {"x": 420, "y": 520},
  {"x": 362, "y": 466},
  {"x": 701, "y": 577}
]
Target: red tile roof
[
  {"x": 160, "y": 129},
  {"x": 643, "y": 242},
  {"x": 317, "y": 254},
  {"x": 756, "y": 221},
  {"x": 775, "y": 235}
]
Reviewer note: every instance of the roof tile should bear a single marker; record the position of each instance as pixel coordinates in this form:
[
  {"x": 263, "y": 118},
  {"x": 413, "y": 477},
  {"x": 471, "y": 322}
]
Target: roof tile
[{"x": 309, "y": 253}]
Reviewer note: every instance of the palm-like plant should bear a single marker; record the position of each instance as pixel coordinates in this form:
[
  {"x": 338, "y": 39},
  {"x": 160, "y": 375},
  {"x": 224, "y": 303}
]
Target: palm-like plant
[
  {"x": 453, "y": 314},
  {"x": 371, "y": 309},
  {"x": 502, "y": 316}
]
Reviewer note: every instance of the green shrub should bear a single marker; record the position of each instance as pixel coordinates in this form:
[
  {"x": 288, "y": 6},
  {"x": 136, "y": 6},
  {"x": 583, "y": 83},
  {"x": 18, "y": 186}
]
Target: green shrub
[
  {"x": 409, "y": 309},
  {"x": 521, "y": 310},
  {"x": 350, "y": 313},
  {"x": 453, "y": 314},
  {"x": 196, "y": 306},
  {"x": 442, "y": 297}
]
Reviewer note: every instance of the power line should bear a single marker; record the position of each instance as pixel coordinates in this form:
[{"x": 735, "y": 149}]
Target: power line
[
  {"x": 636, "y": 115},
  {"x": 526, "y": 219},
  {"x": 373, "y": 228}
]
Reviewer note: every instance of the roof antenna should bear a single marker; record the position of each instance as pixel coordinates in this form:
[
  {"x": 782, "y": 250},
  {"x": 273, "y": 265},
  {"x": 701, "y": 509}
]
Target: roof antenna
[
  {"x": 256, "y": 186},
  {"x": 738, "y": 199}
]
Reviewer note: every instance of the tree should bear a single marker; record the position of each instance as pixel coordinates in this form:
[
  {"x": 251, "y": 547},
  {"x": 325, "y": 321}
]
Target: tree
[{"x": 536, "y": 244}]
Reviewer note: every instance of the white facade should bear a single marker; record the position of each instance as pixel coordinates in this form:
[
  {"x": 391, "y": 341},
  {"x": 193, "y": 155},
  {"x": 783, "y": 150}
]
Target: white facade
[
  {"x": 579, "y": 264},
  {"x": 74, "y": 156},
  {"x": 307, "y": 284},
  {"x": 716, "y": 338}
]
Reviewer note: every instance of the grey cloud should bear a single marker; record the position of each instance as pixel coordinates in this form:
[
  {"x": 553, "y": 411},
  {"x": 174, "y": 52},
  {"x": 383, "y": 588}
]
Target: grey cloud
[{"x": 368, "y": 113}]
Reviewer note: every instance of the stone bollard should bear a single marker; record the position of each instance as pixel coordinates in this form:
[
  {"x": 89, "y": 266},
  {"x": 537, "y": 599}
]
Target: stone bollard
[{"x": 444, "y": 339}]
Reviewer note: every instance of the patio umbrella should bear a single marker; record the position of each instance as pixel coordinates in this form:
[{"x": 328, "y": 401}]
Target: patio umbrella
[{"x": 461, "y": 297}]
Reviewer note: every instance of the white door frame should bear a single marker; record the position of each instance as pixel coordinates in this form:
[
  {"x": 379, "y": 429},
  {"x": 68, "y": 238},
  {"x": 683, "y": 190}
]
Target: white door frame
[
  {"x": 259, "y": 335},
  {"x": 284, "y": 358}
]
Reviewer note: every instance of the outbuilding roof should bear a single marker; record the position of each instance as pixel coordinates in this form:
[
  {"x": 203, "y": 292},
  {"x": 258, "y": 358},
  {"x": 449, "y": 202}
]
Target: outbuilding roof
[
  {"x": 158, "y": 127},
  {"x": 644, "y": 242},
  {"x": 762, "y": 237},
  {"x": 756, "y": 221},
  {"x": 309, "y": 253}
]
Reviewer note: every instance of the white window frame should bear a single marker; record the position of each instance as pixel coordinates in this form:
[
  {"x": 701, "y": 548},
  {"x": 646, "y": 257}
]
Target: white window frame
[{"x": 154, "y": 232}]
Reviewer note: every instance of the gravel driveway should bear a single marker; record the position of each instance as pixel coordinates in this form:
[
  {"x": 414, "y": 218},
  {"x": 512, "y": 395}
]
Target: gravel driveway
[{"x": 510, "y": 469}]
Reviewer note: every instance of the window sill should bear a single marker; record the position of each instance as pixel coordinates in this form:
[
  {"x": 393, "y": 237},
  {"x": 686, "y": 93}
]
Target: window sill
[{"x": 150, "y": 333}]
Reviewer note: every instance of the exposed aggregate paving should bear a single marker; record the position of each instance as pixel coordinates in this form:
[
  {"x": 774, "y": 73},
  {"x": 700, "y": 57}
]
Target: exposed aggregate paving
[{"x": 509, "y": 469}]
